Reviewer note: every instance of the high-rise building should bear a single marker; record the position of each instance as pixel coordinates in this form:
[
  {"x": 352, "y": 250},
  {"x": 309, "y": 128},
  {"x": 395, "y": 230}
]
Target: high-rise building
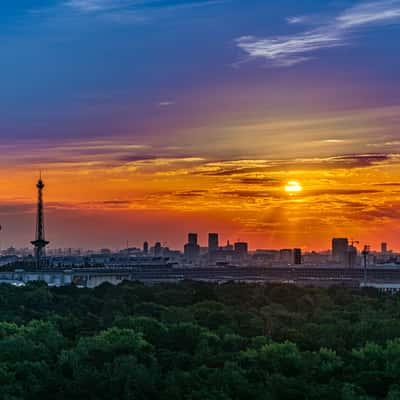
[
  {"x": 352, "y": 257},
  {"x": 297, "y": 256},
  {"x": 192, "y": 249},
  {"x": 145, "y": 248},
  {"x": 192, "y": 238},
  {"x": 383, "y": 247},
  {"x": 340, "y": 248},
  {"x": 40, "y": 242},
  {"x": 241, "y": 249},
  {"x": 157, "y": 249},
  {"x": 213, "y": 242}
]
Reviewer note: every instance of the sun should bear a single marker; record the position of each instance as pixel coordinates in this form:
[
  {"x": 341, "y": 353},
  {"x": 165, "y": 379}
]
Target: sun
[{"x": 293, "y": 187}]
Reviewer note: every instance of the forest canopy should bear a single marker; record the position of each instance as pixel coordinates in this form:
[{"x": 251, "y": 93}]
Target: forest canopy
[{"x": 198, "y": 341}]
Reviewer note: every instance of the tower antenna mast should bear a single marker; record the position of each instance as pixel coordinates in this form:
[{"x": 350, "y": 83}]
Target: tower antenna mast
[{"x": 40, "y": 242}]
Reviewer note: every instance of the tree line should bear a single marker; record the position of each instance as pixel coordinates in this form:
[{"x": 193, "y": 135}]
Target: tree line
[{"x": 198, "y": 341}]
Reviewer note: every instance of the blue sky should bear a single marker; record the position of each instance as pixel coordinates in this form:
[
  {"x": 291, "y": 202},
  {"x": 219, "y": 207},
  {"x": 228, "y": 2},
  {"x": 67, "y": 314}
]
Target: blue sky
[{"x": 64, "y": 61}]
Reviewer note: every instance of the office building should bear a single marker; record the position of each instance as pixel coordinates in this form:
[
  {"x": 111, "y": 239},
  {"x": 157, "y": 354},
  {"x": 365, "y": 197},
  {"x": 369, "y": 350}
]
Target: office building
[
  {"x": 340, "y": 247},
  {"x": 157, "y": 249},
  {"x": 286, "y": 256},
  {"x": 213, "y": 242},
  {"x": 192, "y": 238},
  {"x": 241, "y": 249},
  {"x": 297, "y": 256},
  {"x": 192, "y": 249},
  {"x": 352, "y": 257}
]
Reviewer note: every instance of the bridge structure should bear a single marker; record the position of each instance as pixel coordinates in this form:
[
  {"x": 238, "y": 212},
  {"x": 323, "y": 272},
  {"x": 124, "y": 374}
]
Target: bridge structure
[{"x": 315, "y": 276}]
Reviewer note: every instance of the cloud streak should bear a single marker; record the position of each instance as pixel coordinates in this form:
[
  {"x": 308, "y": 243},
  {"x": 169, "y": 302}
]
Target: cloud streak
[
  {"x": 93, "y": 5},
  {"x": 111, "y": 7},
  {"x": 289, "y": 50}
]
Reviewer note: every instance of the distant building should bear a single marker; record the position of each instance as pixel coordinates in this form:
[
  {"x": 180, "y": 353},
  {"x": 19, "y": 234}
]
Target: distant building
[
  {"x": 11, "y": 251},
  {"x": 315, "y": 258},
  {"x": 145, "y": 248},
  {"x": 286, "y": 256},
  {"x": 223, "y": 255},
  {"x": 241, "y": 249},
  {"x": 340, "y": 247},
  {"x": 213, "y": 242},
  {"x": 384, "y": 247},
  {"x": 228, "y": 246},
  {"x": 352, "y": 257},
  {"x": 192, "y": 249},
  {"x": 157, "y": 249},
  {"x": 192, "y": 238},
  {"x": 263, "y": 257},
  {"x": 297, "y": 256},
  {"x": 102, "y": 251}
]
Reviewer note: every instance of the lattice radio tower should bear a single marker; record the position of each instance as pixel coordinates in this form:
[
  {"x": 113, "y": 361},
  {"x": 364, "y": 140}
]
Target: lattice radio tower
[{"x": 40, "y": 242}]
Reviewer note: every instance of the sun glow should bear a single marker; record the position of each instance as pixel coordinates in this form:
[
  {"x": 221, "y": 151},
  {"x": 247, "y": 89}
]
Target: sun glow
[{"x": 293, "y": 186}]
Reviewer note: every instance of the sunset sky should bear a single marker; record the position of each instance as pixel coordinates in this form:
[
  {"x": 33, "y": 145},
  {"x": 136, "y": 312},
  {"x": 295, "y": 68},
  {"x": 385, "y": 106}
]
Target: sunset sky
[{"x": 154, "y": 118}]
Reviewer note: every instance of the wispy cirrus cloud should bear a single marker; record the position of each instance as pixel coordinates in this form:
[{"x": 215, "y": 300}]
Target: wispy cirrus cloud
[
  {"x": 377, "y": 12},
  {"x": 289, "y": 50},
  {"x": 92, "y": 5},
  {"x": 118, "y": 11},
  {"x": 296, "y": 20},
  {"x": 112, "y": 6}
]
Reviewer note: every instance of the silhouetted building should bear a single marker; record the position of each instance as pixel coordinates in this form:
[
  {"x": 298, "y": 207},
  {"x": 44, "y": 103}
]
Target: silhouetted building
[
  {"x": 315, "y": 258},
  {"x": 192, "y": 249},
  {"x": 352, "y": 257},
  {"x": 340, "y": 247},
  {"x": 192, "y": 238},
  {"x": 241, "y": 249},
  {"x": 286, "y": 256},
  {"x": 40, "y": 242},
  {"x": 213, "y": 242},
  {"x": 384, "y": 248},
  {"x": 11, "y": 251},
  {"x": 157, "y": 249},
  {"x": 265, "y": 257},
  {"x": 145, "y": 248},
  {"x": 228, "y": 246},
  {"x": 297, "y": 256}
]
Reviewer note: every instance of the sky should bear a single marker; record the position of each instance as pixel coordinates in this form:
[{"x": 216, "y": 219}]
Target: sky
[{"x": 154, "y": 118}]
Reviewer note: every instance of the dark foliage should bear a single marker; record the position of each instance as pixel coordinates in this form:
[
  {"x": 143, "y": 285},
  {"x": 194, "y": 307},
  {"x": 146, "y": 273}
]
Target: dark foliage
[{"x": 198, "y": 341}]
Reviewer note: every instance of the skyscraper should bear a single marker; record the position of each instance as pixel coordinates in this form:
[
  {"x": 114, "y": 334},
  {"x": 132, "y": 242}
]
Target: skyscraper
[
  {"x": 340, "y": 248},
  {"x": 383, "y": 247},
  {"x": 157, "y": 249},
  {"x": 40, "y": 242},
  {"x": 213, "y": 242},
  {"x": 352, "y": 255},
  {"x": 192, "y": 249},
  {"x": 192, "y": 238},
  {"x": 297, "y": 256}
]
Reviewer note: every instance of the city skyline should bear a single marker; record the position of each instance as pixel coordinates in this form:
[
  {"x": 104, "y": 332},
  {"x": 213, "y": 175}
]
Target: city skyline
[
  {"x": 340, "y": 247},
  {"x": 272, "y": 124}
]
